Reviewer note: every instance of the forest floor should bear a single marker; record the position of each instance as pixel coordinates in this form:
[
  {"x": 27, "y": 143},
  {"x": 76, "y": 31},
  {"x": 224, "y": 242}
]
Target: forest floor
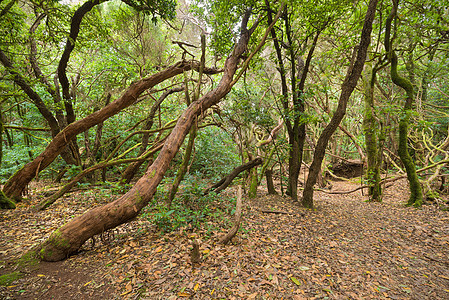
[{"x": 345, "y": 249}]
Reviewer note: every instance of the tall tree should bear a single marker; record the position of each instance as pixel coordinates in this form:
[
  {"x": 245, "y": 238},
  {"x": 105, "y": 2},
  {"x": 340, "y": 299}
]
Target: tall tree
[
  {"x": 373, "y": 136},
  {"x": 348, "y": 86},
  {"x": 416, "y": 196},
  {"x": 293, "y": 70}
]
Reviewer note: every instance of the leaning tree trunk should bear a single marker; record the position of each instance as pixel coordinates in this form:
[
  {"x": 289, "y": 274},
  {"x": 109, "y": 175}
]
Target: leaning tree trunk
[
  {"x": 346, "y": 90},
  {"x": 416, "y": 196},
  {"x": 70, "y": 237},
  {"x": 17, "y": 183},
  {"x": 227, "y": 180},
  {"x": 184, "y": 165}
]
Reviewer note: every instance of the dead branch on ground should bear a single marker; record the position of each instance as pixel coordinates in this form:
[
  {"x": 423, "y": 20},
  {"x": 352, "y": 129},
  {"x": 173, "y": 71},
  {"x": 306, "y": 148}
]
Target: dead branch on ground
[{"x": 237, "y": 219}]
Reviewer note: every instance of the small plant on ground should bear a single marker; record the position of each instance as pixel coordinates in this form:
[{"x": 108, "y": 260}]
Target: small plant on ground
[{"x": 190, "y": 208}]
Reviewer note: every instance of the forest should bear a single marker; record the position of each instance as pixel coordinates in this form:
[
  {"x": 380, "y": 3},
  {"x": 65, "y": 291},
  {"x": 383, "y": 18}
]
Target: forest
[{"x": 239, "y": 149}]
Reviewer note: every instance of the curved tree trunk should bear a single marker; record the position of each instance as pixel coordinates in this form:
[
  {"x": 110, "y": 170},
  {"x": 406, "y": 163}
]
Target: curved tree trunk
[
  {"x": 347, "y": 88},
  {"x": 184, "y": 165},
  {"x": 226, "y": 181},
  {"x": 17, "y": 183},
  {"x": 416, "y": 196},
  {"x": 69, "y": 238}
]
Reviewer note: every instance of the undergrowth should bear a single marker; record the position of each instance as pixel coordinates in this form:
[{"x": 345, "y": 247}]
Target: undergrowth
[{"x": 190, "y": 208}]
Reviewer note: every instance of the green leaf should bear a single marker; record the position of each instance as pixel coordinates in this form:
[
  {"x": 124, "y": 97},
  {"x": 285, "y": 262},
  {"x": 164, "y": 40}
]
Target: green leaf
[{"x": 295, "y": 280}]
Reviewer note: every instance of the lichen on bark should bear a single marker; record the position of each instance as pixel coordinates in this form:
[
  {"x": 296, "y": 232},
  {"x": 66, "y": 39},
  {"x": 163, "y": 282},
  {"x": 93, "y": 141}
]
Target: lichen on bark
[
  {"x": 5, "y": 202},
  {"x": 371, "y": 138}
]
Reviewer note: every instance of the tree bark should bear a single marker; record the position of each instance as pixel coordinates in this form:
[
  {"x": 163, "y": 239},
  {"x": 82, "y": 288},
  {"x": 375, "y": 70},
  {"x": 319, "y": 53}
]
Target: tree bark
[
  {"x": 416, "y": 195},
  {"x": 347, "y": 88},
  {"x": 70, "y": 237},
  {"x": 270, "y": 185},
  {"x": 184, "y": 165},
  {"x": 370, "y": 130},
  {"x": 298, "y": 134},
  {"x": 226, "y": 181},
  {"x": 17, "y": 183},
  {"x": 297, "y": 130},
  {"x": 237, "y": 219},
  {"x": 75, "y": 24},
  {"x": 252, "y": 193}
]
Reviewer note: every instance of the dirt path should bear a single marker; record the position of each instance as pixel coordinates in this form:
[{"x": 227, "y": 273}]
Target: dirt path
[{"x": 346, "y": 249}]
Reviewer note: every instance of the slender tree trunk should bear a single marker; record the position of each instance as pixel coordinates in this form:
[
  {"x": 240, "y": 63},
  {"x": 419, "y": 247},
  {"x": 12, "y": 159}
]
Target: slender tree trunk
[
  {"x": 416, "y": 196},
  {"x": 298, "y": 135},
  {"x": 297, "y": 130},
  {"x": 347, "y": 88},
  {"x": 227, "y": 180},
  {"x": 285, "y": 106},
  {"x": 253, "y": 183},
  {"x": 193, "y": 130},
  {"x": 270, "y": 185},
  {"x": 133, "y": 168},
  {"x": 370, "y": 130},
  {"x": 185, "y": 163},
  {"x": 70, "y": 237},
  {"x": 75, "y": 24}
]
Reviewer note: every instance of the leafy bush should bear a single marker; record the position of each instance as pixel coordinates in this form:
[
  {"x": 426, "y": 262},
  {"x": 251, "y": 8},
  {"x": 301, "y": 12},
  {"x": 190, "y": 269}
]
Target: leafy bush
[
  {"x": 215, "y": 154},
  {"x": 191, "y": 208},
  {"x": 13, "y": 159}
]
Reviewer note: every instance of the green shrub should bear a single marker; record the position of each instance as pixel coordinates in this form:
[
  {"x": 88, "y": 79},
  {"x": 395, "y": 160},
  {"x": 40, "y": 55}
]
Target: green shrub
[{"x": 215, "y": 154}]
